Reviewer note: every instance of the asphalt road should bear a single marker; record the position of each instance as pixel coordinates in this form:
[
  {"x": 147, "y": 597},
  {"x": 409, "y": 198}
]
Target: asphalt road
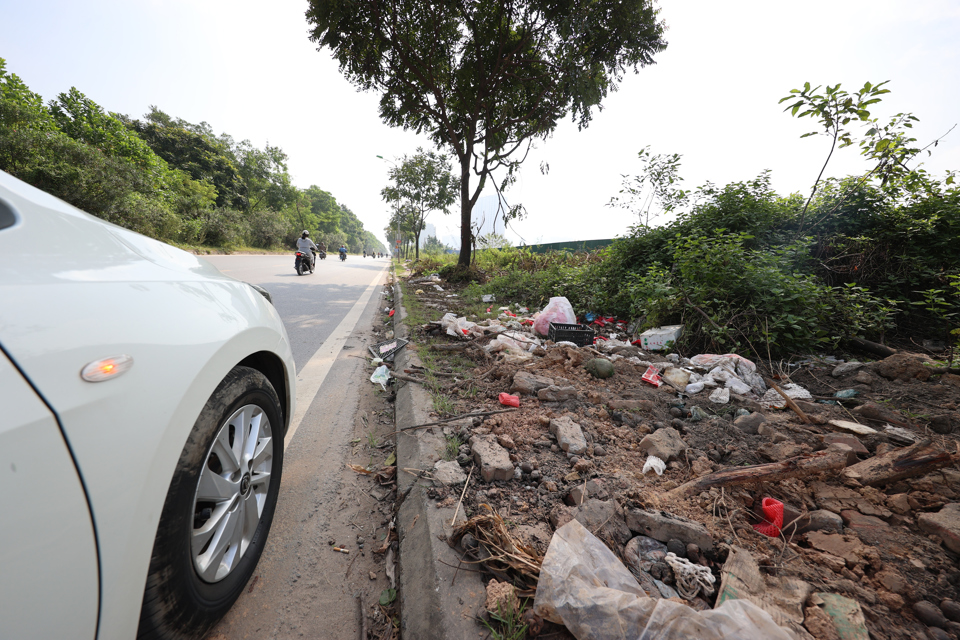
[{"x": 301, "y": 589}]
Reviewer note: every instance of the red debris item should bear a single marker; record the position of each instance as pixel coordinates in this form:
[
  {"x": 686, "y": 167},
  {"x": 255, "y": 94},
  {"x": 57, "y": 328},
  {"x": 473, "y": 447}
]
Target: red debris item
[
  {"x": 392, "y": 311},
  {"x": 773, "y": 512},
  {"x": 637, "y": 343},
  {"x": 508, "y": 400},
  {"x": 466, "y": 332},
  {"x": 599, "y": 338},
  {"x": 488, "y": 309},
  {"x": 652, "y": 376},
  {"x": 511, "y": 314},
  {"x": 527, "y": 322}
]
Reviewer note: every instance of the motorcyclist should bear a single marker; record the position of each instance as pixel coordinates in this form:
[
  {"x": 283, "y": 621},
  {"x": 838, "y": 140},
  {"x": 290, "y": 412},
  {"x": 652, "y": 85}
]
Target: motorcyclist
[
  {"x": 343, "y": 252},
  {"x": 306, "y": 246}
]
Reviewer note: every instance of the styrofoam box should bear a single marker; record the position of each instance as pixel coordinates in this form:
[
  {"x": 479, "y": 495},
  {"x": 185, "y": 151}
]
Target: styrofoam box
[{"x": 657, "y": 339}]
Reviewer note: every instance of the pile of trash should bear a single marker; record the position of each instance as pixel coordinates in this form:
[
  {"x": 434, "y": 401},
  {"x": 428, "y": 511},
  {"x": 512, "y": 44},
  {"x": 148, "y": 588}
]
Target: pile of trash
[{"x": 687, "y": 497}]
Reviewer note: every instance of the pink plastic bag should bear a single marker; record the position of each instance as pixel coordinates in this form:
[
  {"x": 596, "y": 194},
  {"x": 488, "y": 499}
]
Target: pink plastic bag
[
  {"x": 508, "y": 400},
  {"x": 558, "y": 310}
]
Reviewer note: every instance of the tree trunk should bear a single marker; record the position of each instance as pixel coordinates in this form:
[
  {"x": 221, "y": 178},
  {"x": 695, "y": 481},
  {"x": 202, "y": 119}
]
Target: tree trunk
[
  {"x": 417, "y": 245},
  {"x": 466, "y": 209},
  {"x": 871, "y": 347}
]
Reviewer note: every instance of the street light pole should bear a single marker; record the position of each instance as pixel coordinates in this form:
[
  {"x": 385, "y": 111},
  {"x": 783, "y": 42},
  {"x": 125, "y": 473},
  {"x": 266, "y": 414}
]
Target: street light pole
[{"x": 396, "y": 210}]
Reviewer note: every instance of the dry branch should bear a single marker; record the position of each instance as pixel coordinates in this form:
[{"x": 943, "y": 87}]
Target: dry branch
[
  {"x": 898, "y": 464},
  {"x": 829, "y": 460}
]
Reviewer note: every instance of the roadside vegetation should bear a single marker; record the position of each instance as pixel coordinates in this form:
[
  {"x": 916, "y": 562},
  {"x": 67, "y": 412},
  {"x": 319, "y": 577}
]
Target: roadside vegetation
[{"x": 164, "y": 177}]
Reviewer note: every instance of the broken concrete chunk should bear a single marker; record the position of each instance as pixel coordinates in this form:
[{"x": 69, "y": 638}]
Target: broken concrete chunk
[
  {"x": 777, "y": 452},
  {"x": 870, "y": 529},
  {"x": 604, "y": 518},
  {"x": 819, "y": 520},
  {"x": 554, "y": 393},
  {"x": 569, "y": 435},
  {"x": 528, "y": 384},
  {"x": 845, "y": 368},
  {"x": 845, "y": 547},
  {"x": 448, "y": 473},
  {"x": 665, "y": 444},
  {"x": 945, "y": 524},
  {"x": 662, "y": 526},
  {"x": 493, "y": 460}
]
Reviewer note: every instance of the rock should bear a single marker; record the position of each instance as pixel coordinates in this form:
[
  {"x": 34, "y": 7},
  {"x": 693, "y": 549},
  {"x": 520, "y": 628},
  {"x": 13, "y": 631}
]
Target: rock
[
  {"x": 751, "y": 423},
  {"x": 526, "y": 383},
  {"x": 951, "y": 379},
  {"x": 535, "y": 474},
  {"x": 599, "y": 368},
  {"x": 373, "y": 576},
  {"x": 876, "y": 412},
  {"x": 701, "y": 467},
  {"x": 892, "y": 581},
  {"x": 604, "y": 518},
  {"x": 777, "y": 452},
  {"x": 942, "y": 424},
  {"x": 629, "y": 404},
  {"x": 818, "y": 623},
  {"x": 835, "y": 544},
  {"x": 582, "y": 466},
  {"x": 677, "y": 548},
  {"x": 845, "y": 368},
  {"x": 938, "y": 634},
  {"x": 899, "y": 504},
  {"x": 903, "y": 367},
  {"x": 554, "y": 393},
  {"x": 599, "y": 451},
  {"x": 501, "y": 598},
  {"x": 945, "y": 524},
  {"x": 664, "y": 527},
  {"x": 493, "y": 460},
  {"x": 951, "y": 609},
  {"x": 550, "y": 486},
  {"x": 929, "y": 614},
  {"x": 448, "y": 473},
  {"x": 871, "y": 530},
  {"x": 569, "y": 435},
  {"x": 506, "y": 442},
  {"x": 830, "y": 561},
  {"x": 819, "y": 520},
  {"x": 892, "y": 601},
  {"x": 666, "y": 444},
  {"x": 851, "y": 441}
]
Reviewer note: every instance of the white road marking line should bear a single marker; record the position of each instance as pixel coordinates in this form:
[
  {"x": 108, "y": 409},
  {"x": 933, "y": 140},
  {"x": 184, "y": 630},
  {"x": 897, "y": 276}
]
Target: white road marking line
[{"x": 313, "y": 374}]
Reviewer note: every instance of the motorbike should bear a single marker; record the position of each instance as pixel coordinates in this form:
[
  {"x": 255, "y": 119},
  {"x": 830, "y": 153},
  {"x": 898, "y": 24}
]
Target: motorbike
[
  {"x": 302, "y": 264},
  {"x": 343, "y": 257},
  {"x": 321, "y": 254}
]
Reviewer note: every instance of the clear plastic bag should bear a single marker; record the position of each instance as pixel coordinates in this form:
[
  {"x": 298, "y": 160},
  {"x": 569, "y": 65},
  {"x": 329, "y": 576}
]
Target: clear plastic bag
[
  {"x": 558, "y": 310},
  {"x": 586, "y": 588},
  {"x": 380, "y": 376}
]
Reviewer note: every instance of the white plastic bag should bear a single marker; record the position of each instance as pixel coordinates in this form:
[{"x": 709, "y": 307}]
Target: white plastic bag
[
  {"x": 586, "y": 588},
  {"x": 380, "y": 376},
  {"x": 558, "y": 310}
]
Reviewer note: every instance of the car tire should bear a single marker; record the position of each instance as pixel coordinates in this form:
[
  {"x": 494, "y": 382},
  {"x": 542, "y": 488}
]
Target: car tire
[{"x": 185, "y": 593}]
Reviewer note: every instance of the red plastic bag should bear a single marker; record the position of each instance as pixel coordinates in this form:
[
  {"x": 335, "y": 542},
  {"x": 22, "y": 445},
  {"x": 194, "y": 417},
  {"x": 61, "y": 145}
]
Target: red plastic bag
[
  {"x": 508, "y": 400},
  {"x": 392, "y": 311},
  {"x": 773, "y": 512}
]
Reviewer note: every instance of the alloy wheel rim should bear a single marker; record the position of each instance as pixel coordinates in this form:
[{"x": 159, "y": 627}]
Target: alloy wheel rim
[{"x": 231, "y": 492}]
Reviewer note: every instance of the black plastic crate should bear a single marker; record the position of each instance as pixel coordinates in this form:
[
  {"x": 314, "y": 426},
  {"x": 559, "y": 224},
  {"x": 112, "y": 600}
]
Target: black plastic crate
[{"x": 579, "y": 334}]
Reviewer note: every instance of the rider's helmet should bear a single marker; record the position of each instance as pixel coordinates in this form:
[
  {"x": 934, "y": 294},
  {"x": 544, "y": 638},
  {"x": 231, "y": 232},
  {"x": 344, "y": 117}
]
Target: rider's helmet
[{"x": 304, "y": 234}]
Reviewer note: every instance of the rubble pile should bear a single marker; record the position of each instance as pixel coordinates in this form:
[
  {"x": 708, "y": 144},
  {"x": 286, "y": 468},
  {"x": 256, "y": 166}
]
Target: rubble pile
[{"x": 826, "y": 492}]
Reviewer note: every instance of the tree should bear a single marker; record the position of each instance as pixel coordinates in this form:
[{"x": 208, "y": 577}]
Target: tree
[
  {"x": 485, "y": 79},
  {"x": 425, "y": 182}
]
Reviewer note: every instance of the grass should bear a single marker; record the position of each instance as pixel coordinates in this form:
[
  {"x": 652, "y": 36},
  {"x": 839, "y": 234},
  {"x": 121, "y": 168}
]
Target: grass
[
  {"x": 452, "y": 449},
  {"x": 507, "y": 625}
]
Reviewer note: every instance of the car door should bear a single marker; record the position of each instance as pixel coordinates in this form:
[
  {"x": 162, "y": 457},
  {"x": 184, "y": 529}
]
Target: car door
[{"x": 49, "y": 584}]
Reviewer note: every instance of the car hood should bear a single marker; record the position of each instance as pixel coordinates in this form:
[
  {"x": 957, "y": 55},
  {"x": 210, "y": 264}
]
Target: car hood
[{"x": 67, "y": 244}]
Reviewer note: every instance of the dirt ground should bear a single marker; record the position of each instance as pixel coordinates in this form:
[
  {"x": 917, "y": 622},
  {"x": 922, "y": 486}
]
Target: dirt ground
[{"x": 880, "y": 558}]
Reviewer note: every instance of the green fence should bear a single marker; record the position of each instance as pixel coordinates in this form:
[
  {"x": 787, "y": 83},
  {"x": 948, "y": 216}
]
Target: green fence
[{"x": 580, "y": 245}]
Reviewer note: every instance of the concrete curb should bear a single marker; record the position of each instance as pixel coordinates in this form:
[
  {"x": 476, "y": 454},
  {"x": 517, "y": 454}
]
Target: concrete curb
[{"x": 437, "y": 602}]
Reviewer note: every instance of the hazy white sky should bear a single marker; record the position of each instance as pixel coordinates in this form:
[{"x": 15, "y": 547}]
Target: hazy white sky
[{"x": 248, "y": 69}]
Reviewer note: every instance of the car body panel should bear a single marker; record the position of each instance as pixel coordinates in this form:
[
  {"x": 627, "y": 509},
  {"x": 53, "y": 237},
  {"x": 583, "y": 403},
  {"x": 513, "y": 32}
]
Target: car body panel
[
  {"x": 73, "y": 290},
  {"x": 47, "y": 549}
]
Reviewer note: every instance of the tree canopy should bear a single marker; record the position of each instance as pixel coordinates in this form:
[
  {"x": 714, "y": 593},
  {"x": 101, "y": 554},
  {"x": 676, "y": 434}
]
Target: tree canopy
[
  {"x": 423, "y": 181},
  {"x": 485, "y": 79}
]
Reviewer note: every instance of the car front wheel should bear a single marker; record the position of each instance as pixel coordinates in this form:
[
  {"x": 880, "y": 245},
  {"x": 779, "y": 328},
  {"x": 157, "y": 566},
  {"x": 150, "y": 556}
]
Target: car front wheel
[{"x": 218, "y": 510}]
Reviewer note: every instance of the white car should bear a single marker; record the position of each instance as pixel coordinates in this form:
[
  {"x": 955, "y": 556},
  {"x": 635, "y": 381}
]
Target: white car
[{"x": 144, "y": 397}]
